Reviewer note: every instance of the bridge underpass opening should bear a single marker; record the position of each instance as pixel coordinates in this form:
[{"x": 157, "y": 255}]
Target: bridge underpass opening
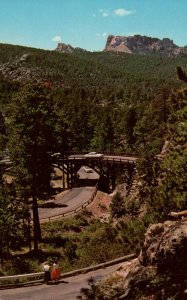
[{"x": 111, "y": 171}]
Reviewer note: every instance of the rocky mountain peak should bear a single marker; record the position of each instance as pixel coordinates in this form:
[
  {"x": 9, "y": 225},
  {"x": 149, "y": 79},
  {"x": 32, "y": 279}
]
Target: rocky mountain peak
[
  {"x": 143, "y": 45},
  {"x": 64, "y": 48}
]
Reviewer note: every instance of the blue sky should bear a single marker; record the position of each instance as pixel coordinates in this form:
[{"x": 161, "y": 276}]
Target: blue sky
[{"x": 87, "y": 23}]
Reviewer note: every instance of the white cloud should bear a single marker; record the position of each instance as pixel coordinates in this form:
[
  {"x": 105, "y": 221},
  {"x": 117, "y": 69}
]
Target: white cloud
[
  {"x": 57, "y": 38},
  {"x": 102, "y": 34},
  {"x": 104, "y": 12},
  {"x": 121, "y": 12}
]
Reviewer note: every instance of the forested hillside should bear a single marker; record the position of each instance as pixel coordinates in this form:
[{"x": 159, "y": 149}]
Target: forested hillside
[
  {"x": 101, "y": 101},
  {"x": 109, "y": 102}
]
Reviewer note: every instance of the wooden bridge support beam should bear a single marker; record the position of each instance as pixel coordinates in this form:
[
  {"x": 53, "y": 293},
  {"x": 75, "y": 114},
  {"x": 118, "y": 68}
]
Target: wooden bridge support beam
[
  {"x": 106, "y": 169},
  {"x": 113, "y": 178},
  {"x": 131, "y": 169},
  {"x": 63, "y": 177}
]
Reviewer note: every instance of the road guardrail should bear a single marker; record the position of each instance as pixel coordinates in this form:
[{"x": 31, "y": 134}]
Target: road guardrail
[
  {"x": 24, "y": 279},
  {"x": 73, "y": 211}
]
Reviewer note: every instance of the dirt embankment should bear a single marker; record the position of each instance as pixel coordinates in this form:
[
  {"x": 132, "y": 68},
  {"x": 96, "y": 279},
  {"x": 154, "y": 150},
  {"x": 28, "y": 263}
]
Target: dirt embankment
[{"x": 100, "y": 206}]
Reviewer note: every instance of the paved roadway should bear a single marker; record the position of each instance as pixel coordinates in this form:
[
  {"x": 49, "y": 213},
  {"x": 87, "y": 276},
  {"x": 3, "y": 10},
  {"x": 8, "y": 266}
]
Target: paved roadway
[
  {"x": 67, "y": 201},
  {"x": 77, "y": 196},
  {"x": 67, "y": 289}
]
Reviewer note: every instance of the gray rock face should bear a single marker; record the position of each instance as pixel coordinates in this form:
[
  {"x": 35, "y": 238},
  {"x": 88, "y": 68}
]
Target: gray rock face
[
  {"x": 143, "y": 45},
  {"x": 63, "y": 48},
  {"x": 165, "y": 245},
  {"x": 17, "y": 70},
  {"x": 153, "y": 274}
]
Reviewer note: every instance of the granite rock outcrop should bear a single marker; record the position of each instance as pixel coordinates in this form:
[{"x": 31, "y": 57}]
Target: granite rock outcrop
[
  {"x": 143, "y": 45},
  {"x": 159, "y": 272},
  {"x": 17, "y": 70},
  {"x": 64, "y": 48}
]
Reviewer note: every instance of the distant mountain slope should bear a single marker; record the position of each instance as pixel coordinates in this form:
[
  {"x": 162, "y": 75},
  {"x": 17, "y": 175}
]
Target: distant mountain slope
[
  {"x": 84, "y": 68},
  {"x": 100, "y": 96},
  {"x": 105, "y": 73},
  {"x": 143, "y": 45}
]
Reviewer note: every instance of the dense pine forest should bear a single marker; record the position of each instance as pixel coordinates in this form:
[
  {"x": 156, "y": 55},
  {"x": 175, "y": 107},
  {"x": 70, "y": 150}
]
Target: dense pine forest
[
  {"x": 78, "y": 102},
  {"x": 101, "y": 101}
]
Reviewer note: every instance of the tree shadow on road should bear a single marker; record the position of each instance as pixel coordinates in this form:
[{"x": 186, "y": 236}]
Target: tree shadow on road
[{"x": 52, "y": 205}]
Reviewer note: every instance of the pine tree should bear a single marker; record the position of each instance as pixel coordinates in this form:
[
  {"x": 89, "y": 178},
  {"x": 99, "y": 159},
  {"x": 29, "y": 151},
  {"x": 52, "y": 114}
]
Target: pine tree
[
  {"x": 175, "y": 164},
  {"x": 2, "y": 133},
  {"x": 30, "y": 142},
  {"x": 171, "y": 193},
  {"x": 117, "y": 206},
  {"x": 11, "y": 223},
  {"x": 164, "y": 183}
]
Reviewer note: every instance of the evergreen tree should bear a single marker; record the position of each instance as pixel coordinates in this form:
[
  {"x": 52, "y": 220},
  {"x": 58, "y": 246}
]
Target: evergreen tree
[
  {"x": 130, "y": 122},
  {"x": 117, "y": 206},
  {"x": 11, "y": 223},
  {"x": 174, "y": 167},
  {"x": 2, "y": 133},
  {"x": 30, "y": 142},
  {"x": 164, "y": 182}
]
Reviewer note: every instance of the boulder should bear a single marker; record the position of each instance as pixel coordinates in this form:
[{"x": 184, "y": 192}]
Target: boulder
[{"x": 159, "y": 272}]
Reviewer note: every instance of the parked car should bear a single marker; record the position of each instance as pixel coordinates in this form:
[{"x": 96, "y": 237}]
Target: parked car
[
  {"x": 88, "y": 170},
  {"x": 58, "y": 154},
  {"x": 93, "y": 155}
]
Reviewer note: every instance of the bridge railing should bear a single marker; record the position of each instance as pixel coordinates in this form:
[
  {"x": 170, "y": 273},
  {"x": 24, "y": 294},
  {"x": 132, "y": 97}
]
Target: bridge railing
[{"x": 73, "y": 211}]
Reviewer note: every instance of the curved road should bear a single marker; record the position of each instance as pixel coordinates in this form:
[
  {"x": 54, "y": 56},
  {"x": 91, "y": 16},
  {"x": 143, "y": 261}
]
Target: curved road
[
  {"x": 67, "y": 289},
  {"x": 67, "y": 201}
]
